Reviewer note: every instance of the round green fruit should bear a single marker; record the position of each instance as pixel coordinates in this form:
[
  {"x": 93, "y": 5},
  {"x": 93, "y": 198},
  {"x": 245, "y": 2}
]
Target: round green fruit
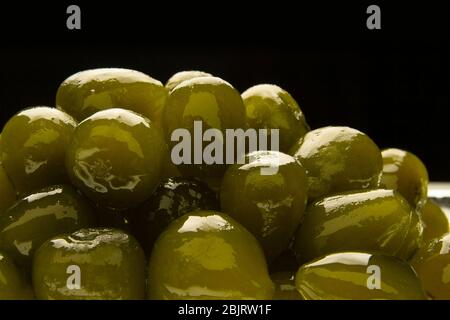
[
  {"x": 435, "y": 221},
  {"x": 374, "y": 220},
  {"x": 90, "y": 264},
  {"x": 432, "y": 263},
  {"x": 193, "y": 107},
  {"x": 38, "y": 217},
  {"x": 179, "y": 77},
  {"x": 34, "y": 142},
  {"x": 338, "y": 159},
  {"x": 267, "y": 195},
  {"x": 90, "y": 91},
  {"x": 404, "y": 172},
  {"x": 208, "y": 255},
  {"x": 116, "y": 158},
  {"x": 269, "y": 107},
  {"x": 358, "y": 276}
]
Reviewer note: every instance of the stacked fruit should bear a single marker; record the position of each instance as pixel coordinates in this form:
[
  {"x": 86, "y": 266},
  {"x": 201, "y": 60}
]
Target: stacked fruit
[{"x": 93, "y": 205}]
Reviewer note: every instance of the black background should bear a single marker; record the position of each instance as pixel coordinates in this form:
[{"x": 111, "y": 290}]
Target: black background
[{"x": 391, "y": 83}]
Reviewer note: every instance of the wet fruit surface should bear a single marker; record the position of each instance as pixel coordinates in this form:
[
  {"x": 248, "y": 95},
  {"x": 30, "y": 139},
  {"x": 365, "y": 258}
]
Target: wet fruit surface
[
  {"x": 179, "y": 77},
  {"x": 358, "y": 276},
  {"x": 435, "y": 221},
  {"x": 219, "y": 258},
  {"x": 432, "y": 264},
  {"x": 414, "y": 237},
  {"x": 267, "y": 195},
  {"x": 116, "y": 158},
  {"x": 338, "y": 159},
  {"x": 131, "y": 189},
  {"x": 374, "y": 220},
  {"x": 173, "y": 198},
  {"x": 213, "y": 104},
  {"x": 270, "y": 107},
  {"x": 36, "y": 218},
  {"x": 404, "y": 172},
  {"x": 34, "y": 142},
  {"x": 94, "y": 264},
  {"x": 90, "y": 91}
]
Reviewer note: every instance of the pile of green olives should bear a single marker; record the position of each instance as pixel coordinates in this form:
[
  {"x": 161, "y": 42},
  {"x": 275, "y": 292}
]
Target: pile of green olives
[{"x": 93, "y": 205}]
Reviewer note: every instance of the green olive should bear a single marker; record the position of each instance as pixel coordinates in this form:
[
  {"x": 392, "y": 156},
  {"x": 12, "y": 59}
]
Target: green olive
[
  {"x": 7, "y": 192},
  {"x": 435, "y": 221},
  {"x": 90, "y": 91},
  {"x": 34, "y": 143},
  {"x": 432, "y": 263},
  {"x": 208, "y": 255},
  {"x": 358, "y": 276},
  {"x": 13, "y": 286},
  {"x": 270, "y": 107},
  {"x": 179, "y": 77},
  {"x": 370, "y": 220},
  {"x": 90, "y": 264},
  {"x": 338, "y": 159},
  {"x": 34, "y": 219},
  {"x": 173, "y": 198},
  {"x": 285, "y": 288},
  {"x": 193, "y": 107},
  {"x": 116, "y": 158},
  {"x": 267, "y": 195},
  {"x": 404, "y": 172}
]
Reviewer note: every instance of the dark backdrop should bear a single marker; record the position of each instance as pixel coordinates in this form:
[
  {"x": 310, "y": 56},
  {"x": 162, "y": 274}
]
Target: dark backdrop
[{"x": 392, "y": 84}]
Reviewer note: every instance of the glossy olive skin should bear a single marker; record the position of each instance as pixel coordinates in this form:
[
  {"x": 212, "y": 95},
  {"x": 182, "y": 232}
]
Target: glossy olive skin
[
  {"x": 405, "y": 172},
  {"x": 268, "y": 106},
  {"x": 216, "y": 105},
  {"x": 7, "y": 192},
  {"x": 34, "y": 142},
  {"x": 285, "y": 286},
  {"x": 12, "y": 284},
  {"x": 435, "y": 221},
  {"x": 116, "y": 158},
  {"x": 87, "y": 92},
  {"x": 375, "y": 220},
  {"x": 268, "y": 205},
  {"x": 414, "y": 237},
  {"x": 111, "y": 266},
  {"x": 338, "y": 159},
  {"x": 38, "y": 217},
  {"x": 173, "y": 198},
  {"x": 181, "y": 76},
  {"x": 218, "y": 259},
  {"x": 358, "y": 276},
  {"x": 432, "y": 264}
]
